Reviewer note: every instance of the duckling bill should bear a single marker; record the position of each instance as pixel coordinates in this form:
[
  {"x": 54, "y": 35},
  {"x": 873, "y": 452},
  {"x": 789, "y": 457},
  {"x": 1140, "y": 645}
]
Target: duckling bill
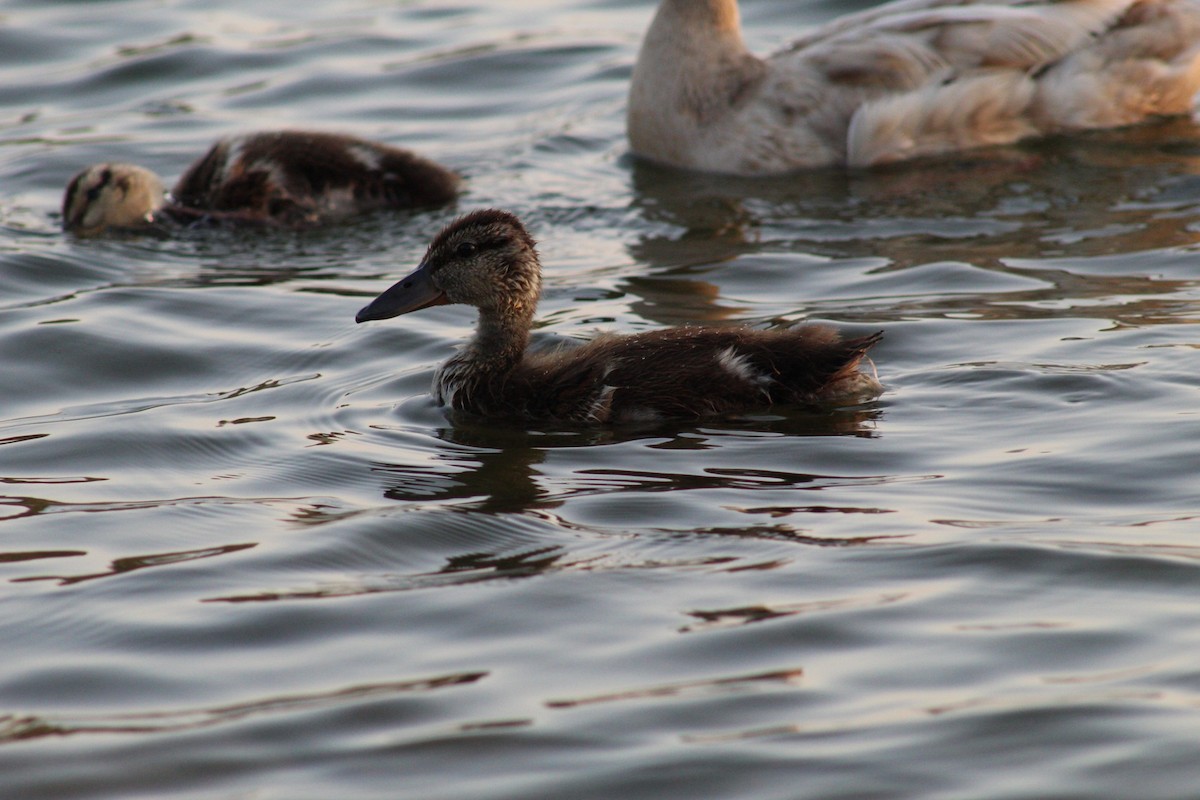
[
  {"x": 292, "y": 179},
  {"x": 487, "y": 259}
]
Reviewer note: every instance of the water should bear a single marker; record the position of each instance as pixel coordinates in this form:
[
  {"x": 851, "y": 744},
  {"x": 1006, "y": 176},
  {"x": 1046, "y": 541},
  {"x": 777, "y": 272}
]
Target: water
[{"x": 243, "y": 556}]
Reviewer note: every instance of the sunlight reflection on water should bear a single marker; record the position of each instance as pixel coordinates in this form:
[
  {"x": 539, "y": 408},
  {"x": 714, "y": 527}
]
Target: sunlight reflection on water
[{"x": 243, "y": 553}]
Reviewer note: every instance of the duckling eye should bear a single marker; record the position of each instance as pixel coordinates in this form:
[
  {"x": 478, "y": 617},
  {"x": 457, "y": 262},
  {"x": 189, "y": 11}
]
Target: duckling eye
[
  {"x": 465, "y": 249},
  {"x": 94, "y": 191}
]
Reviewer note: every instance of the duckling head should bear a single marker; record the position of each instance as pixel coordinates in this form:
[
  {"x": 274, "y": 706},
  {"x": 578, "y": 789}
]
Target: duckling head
[
  {"x": 111, "y": 195},
  {"x": 485, "y": 259}
]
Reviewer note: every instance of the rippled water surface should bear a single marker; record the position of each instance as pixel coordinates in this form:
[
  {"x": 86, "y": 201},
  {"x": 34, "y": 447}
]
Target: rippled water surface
[{"x": 243, "y": 556}]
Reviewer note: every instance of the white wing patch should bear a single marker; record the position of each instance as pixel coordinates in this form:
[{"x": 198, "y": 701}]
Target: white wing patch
[
  {"x": 738, "y": 365},
  {"x": 234, "y": 147},
  {"x": 366, "y": 156},
  {"x": 448, "y": 380},
  {"x": 601, "y": 408}
]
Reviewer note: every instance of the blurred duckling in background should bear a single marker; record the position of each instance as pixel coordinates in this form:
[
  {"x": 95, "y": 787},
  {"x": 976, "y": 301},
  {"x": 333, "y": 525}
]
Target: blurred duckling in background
[
  {"x": 291, "y": 179},
  {"x": 487, "y": 259}
]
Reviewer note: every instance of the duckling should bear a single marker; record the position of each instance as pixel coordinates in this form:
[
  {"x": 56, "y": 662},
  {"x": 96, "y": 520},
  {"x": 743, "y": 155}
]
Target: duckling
[
  {"x": 292, "y": 179},
  {"x": 112, "y": 195},
  {"x": 905, "y": 79},
  {"x": 487, "y": 259}
]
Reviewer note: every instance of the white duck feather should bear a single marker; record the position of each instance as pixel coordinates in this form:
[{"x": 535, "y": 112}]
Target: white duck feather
[{"x": 905, "y": 79}]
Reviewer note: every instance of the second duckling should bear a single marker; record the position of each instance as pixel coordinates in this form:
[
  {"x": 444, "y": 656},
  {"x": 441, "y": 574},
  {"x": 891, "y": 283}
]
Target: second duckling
[
  {"x": 292, "y": 179},
  {"x": 487, "y": 259}
]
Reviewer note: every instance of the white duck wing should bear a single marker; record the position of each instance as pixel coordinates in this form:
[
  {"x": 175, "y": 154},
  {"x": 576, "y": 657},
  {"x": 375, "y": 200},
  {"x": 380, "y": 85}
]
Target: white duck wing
[
  {"x": 905, "y": 79},
  {"x": 984, "y": 109},
  {"x": 961, "y": 75},
  {"x": 1148, "y": 65},
  {"x": 968, "y": 36},
  {"x": 992, "y": 30}
]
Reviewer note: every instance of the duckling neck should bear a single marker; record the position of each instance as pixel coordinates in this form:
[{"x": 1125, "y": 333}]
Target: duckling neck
[
  {"x": 693, "y": 64},
  {"x": 501, "y": 337},
  {"x": 472, "y": 379}
]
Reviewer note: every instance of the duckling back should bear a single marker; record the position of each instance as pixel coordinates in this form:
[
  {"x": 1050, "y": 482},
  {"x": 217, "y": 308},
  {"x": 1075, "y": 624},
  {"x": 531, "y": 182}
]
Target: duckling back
[
  {"x": 680, "y": 373},
  {"x": 300, "y": 178}
]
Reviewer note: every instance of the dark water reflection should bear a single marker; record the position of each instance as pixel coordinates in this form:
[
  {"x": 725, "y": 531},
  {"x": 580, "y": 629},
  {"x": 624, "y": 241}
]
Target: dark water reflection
[{"x": 243, "y": 555}]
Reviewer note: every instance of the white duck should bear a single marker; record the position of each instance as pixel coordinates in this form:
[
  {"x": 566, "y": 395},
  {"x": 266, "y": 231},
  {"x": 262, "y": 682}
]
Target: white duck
[{"x": 905, "y": 79}]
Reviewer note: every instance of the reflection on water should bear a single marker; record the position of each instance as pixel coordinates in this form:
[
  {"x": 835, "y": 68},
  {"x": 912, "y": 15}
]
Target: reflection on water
[
  {"x": 683, "y": 689},
  {"x": 131, "y": 563},
  {"x": 495, "y": 468},
  {"x": 14, "y": 729},
  {"x": 240, "y": 544}
]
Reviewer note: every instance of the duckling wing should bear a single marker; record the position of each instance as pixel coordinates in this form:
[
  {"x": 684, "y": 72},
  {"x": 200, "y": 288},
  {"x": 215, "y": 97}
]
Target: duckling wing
[
  {"x": 569, "y": 384},
  {"x": 301, "y": 178},
  {"x": 693, "y": 373},
  {"x": 248, "y": 179}
]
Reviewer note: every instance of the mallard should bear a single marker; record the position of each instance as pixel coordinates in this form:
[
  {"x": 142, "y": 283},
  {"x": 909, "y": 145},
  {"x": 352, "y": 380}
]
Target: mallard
[
  {"x": 286, "y": 178},
  {"x": 904, "y": 79},
  {"x": 487, "y": 259}
]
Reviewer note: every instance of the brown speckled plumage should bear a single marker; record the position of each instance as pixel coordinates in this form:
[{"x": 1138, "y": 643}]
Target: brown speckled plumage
[
  {"x": 293, "y": 179},
  {"x": 300, "y": 178},
  {"x": 487, "y": 259}
]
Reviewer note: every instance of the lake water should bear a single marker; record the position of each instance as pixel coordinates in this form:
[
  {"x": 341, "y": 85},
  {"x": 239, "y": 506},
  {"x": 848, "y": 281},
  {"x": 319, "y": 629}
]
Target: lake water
[{"x": 242, "y": 555}]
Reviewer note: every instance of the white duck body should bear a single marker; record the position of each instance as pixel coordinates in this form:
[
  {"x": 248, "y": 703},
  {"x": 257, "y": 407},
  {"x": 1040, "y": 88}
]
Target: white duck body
[{"x": 903, "y": 80}]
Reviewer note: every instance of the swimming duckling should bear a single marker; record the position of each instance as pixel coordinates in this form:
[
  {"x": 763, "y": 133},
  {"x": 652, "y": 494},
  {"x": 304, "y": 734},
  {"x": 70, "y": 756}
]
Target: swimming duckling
[
  {"x": 487, "y": 259},
  {"x": 292, "y": 179},
  {"x": 904, "y": 79}
]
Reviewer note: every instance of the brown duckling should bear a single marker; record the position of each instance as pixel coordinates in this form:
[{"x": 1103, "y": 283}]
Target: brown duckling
[
  {"x": 488, "y": 260},
  {"x": 292, "y": 179}
]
